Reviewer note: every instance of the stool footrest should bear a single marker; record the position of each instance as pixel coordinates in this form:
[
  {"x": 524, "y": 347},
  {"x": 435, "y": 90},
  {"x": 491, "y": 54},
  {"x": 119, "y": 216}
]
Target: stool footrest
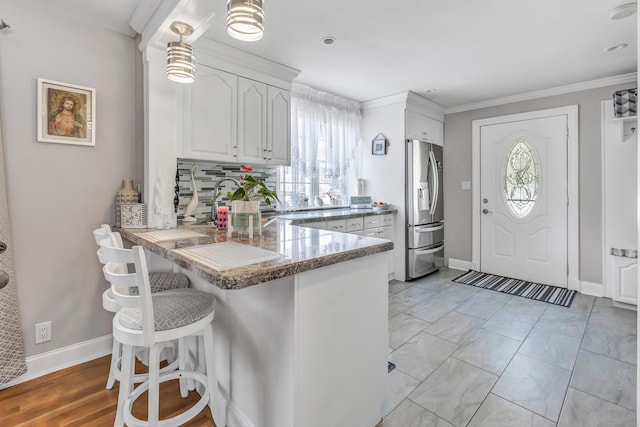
[{"x": 179, "y": 419}]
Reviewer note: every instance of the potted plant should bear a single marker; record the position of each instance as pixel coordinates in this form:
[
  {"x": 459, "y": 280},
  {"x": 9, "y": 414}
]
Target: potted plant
[{"x": 245, "y": 200}]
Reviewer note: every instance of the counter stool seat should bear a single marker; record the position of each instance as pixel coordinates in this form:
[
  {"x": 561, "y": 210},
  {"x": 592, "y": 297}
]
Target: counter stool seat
[
  {"x": 172, "y": 309},
  {"x": 155, "y": 321},
  {"x": 160, "y": 281}
]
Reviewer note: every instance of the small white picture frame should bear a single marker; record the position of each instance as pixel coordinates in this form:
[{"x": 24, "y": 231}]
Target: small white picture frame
[{"x": 379, "y": 145}]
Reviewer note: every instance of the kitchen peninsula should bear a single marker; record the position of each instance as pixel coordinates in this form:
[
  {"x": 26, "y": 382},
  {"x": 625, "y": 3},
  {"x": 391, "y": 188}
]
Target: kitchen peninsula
[{"x": 301, "y": 320}]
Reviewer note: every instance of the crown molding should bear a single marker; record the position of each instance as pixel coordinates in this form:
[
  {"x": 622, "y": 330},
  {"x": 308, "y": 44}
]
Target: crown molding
[
  {"x": 409, "y": 100},
  {"x": 226, "y": 58},
  {"x": 560, "y": 90}
]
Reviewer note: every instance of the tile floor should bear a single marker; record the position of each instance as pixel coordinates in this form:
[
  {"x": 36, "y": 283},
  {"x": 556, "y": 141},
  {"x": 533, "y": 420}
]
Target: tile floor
[{"x": 473, "y": 357}]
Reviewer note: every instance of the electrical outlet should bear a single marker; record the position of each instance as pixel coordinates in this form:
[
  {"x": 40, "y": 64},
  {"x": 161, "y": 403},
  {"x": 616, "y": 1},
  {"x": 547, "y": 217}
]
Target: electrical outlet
[{"x": 43, "y": 332}]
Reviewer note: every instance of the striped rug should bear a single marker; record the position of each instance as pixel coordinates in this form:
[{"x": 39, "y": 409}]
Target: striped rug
[{"x": 522, "y": 288}]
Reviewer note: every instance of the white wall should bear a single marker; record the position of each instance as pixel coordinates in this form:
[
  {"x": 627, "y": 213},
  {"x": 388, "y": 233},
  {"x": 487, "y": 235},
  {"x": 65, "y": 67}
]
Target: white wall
[
  {"x": 58, "y": 193},
  {"x": 384, "y": 174}
]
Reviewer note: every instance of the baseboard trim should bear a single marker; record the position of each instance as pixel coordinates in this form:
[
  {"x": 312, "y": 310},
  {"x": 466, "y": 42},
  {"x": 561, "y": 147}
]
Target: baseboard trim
[
  {"x": 459, "y": 264},
  {"x": 591, "y": 288},
  {"x": 235, "y": 417},
  {"x": 573, "y": 284},
  {"x": 61, "y": 358}
]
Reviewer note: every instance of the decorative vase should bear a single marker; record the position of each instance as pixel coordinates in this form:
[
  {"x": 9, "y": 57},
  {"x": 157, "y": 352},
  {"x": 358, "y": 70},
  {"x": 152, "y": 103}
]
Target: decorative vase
[
  {"x": 126, "y": 195},
  {"x": 242, "y": 209}
]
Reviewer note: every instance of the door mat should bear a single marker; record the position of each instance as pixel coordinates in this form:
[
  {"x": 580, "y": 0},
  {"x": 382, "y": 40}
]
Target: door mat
[{"x": 521, "y": 288}]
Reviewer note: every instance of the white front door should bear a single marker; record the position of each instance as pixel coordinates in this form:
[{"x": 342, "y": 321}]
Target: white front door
[{"x": 523, "y": 192}]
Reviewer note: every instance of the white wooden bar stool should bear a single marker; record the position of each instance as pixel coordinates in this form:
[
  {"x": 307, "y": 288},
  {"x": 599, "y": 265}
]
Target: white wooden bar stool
[
  {"x": 160, "y": 281},
  {"x": 157, "y": 320}
]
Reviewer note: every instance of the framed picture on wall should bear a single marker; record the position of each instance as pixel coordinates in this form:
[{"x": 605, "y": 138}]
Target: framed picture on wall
[
  {"x": 379, "y": 144},
  {"x": 66, "y": 113}
]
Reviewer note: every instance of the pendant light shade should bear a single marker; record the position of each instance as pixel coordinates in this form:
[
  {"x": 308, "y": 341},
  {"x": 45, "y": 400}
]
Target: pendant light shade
[
  {"x": 181, "y": 62},
  {"x": 245, "y": 19}
]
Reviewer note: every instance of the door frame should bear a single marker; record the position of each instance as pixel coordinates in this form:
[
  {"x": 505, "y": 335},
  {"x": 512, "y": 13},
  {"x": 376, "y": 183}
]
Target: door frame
[{"x": 573, "y": 242}]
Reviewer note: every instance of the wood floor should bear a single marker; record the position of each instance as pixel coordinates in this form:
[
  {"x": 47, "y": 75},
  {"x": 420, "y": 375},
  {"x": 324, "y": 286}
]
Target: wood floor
[{"x": 77, "y": 396}]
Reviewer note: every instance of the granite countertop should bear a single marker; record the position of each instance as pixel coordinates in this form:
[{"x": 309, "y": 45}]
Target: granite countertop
[
  {"x": 283, "y": 250},
  {"x": 302, "y": 217}
]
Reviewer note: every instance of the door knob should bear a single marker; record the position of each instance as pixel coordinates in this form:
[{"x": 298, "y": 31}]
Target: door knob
[
  {"x": 485, "y": 211},
  {"x": 4, "y": 278},
  {"x": 3, "y": 247},
  {"x": 485, "y": 200}
]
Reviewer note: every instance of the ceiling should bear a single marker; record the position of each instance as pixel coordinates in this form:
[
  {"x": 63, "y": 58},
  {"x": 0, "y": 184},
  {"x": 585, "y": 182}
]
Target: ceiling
[{"x": 462, "y": 51}]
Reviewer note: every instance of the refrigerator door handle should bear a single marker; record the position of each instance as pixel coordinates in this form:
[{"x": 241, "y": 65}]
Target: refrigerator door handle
[
  {"x": 429, "y": 251},
  {"x": 436, "y": 184},
  {"x": 428, "y": 229}
]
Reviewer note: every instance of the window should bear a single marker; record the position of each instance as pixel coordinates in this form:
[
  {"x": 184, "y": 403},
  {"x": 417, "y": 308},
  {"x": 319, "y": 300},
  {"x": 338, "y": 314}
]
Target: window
[
  {"x": 521, "y": 179},
  {"x": 325, "y": 130}
]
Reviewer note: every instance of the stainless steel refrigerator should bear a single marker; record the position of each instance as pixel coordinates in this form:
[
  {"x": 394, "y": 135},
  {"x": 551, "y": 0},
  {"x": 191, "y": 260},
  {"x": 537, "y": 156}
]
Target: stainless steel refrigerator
[{"x": 424, "y": 208}]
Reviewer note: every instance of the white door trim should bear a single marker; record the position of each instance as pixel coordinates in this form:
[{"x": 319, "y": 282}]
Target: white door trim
[{"x": 573, "y": 243}]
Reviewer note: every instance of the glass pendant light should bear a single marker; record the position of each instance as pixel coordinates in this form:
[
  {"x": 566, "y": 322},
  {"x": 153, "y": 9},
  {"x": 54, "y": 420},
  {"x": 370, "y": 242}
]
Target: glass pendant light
[
  {"x": 181, "y": 63},
  {"x": 245, "y": 19}
]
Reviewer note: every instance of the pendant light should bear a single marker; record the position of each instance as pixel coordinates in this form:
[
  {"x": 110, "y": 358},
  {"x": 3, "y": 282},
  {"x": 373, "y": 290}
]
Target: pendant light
[
  {"x": 181, "y": 63},
  {"x": 245, "y": 19}
]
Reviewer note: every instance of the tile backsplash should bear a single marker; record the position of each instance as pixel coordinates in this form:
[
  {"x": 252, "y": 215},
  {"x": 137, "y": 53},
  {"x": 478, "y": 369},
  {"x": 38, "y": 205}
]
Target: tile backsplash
[{"x": 206, "y": 175}]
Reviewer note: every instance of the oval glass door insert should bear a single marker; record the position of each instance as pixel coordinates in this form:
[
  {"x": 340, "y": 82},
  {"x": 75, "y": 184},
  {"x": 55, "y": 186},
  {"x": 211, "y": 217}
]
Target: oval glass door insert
[{"x": 521, "y": 179}]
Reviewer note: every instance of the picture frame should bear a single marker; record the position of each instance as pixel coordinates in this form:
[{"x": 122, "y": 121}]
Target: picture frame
[
  {"x": 66, "y": 113},
  {"x": 379, "y": 145}
]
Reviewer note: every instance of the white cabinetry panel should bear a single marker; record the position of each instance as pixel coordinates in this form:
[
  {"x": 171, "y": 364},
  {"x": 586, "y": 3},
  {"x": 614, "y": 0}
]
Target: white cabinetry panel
[
  {"x": 278, "y": 126},
  {"x": 418, "y": 126},
  {"x": 625, "y": 280},
  {"x": 210, "y": 120},
  {"x": 235, "y": 119},
  {"x": 337, "y": 225},
  {"x": 252, "y": 120}
]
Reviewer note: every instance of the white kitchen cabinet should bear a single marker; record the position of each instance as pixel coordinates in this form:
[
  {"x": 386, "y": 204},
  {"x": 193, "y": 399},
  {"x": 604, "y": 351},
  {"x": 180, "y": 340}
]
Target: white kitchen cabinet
[
  {"x": 278, "y": 149},
  {"x": 625, "y": 279},
  {"x": 252, "y": 121},
  {"x": 337, "y": 225},
  {"x": 371, "y": 221},
  {"x": 355, "y": 225},
  {"x": 418, "y": 126},
  {"x": 235, "y": 119},
  {"x": 264, "y": 123},
  {"x": 322, "y": 225},
  {"x": 386, "y": 220},
  {"x": 210, "y": 116}
]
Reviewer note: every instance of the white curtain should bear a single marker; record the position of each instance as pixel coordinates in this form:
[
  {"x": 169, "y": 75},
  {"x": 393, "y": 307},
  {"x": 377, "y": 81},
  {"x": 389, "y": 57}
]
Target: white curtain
[{"x": 325, "y": 131}]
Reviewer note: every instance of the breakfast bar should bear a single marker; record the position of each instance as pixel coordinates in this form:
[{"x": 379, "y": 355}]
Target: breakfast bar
[{"x": 301, "y": 320}]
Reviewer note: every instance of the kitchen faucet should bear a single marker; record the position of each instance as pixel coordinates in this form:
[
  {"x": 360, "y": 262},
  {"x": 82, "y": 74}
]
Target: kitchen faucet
[{"x": 214, "y": 205}]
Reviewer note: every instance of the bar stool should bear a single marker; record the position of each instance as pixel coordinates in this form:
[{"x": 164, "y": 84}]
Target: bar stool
[
  {"x": 160, "y": 281},
  {"x": 156, "y": 320}
]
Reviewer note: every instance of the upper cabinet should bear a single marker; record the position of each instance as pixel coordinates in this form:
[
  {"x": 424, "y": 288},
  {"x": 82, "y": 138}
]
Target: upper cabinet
[
  {"x": 237, "y": 110},
  {"x": 210, "y": 117},
  {"x": 418, "y": 126},
  {"x": 264, "y": 123},
  {"x": 235, "y": 119},
  {"x": 252, "y": 121}
]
